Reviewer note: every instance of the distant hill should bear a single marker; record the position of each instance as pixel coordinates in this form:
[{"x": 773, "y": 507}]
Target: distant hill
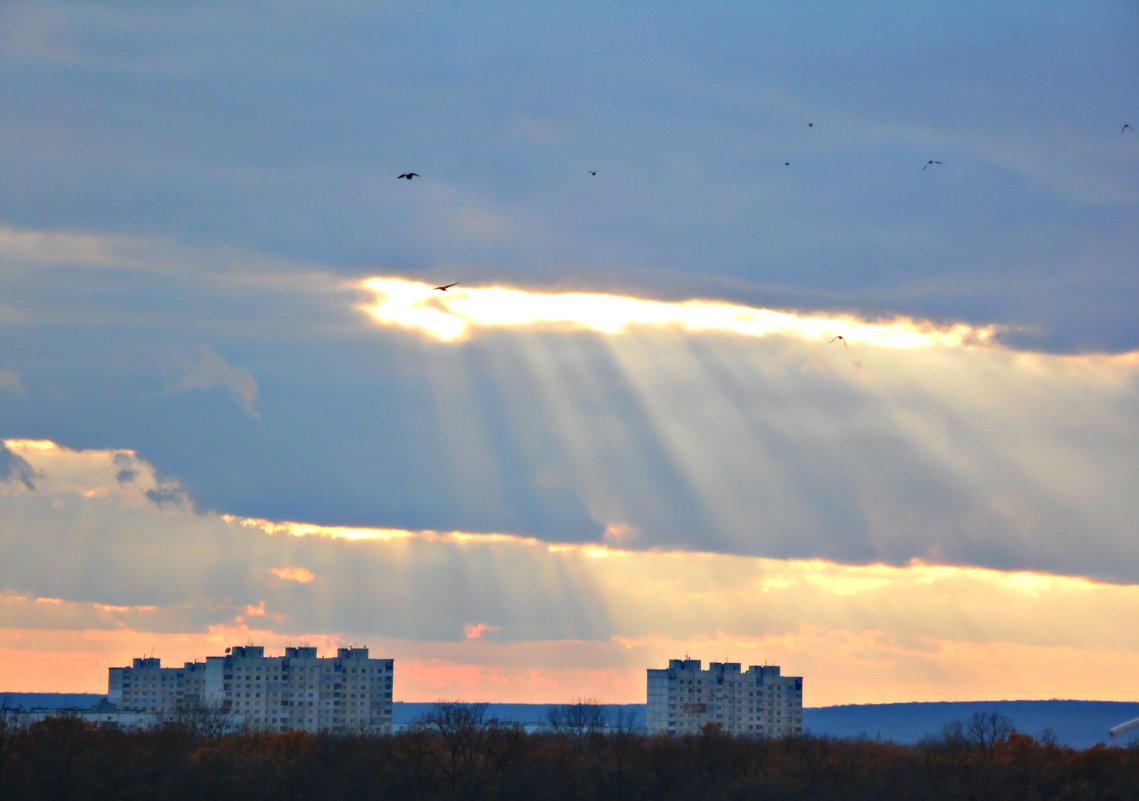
[{"x": 1078, "y": 724}]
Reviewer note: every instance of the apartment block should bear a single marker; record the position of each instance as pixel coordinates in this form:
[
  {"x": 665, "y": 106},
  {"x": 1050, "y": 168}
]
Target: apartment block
[
  {"x": 350, "y": 692},
  {"x": 759, "y": 702},
  {"x": 146, "y": 686}
]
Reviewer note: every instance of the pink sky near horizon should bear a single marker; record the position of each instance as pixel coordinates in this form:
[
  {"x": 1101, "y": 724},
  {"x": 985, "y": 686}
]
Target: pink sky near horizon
[{"x": 838, "y": 667}]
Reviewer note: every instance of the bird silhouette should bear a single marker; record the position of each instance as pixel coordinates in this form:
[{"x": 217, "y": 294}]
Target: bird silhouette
[
  {"x": 593, "y": 172},
  {"x": 786, "y": 164},
  {"x": 1126, "y": 125},
  {"x": 810, "y": 125},
  {"x": 839, "y": 336},
  {"x": 931, "y": 161},
  {"x": 408, "y": 175},
  {"x": 445, "y": 287}
]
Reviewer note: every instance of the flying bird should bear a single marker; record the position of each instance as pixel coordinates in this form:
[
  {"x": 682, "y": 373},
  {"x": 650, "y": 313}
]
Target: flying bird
[
  {"x": 1126, "y": 125},
  {"x": 445, "y": 287},
  {"x": 786, "y": 164},
  {"x": 593, "y": 172},
  {"x": 810, "y": 125},
  {"x": 839, "y": 336},
  {"x": 931, "y": 161},
  {"x": 408, "y": 175}
]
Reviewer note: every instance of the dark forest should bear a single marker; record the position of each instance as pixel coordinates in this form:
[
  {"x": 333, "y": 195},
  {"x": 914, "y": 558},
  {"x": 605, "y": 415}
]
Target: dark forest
[{"x": 456, "y": 753}]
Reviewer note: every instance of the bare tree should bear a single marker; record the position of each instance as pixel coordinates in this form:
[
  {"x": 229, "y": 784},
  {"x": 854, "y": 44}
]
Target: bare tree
[
  {"x": 8, "y": 719},
  {"x": 8, "y": 724},
  {"x": 625, "y": 720},
  {"x": 579, "y": 720},
  {"x": 461, "y": 729},
  {"x": 450, "y": 718},
  {"x": 987, "y": 730},
  {"x": 201, "y": 718}
]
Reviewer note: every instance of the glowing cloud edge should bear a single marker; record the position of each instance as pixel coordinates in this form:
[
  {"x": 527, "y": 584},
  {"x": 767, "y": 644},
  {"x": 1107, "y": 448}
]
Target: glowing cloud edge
[{"x": 461, "y": 312}]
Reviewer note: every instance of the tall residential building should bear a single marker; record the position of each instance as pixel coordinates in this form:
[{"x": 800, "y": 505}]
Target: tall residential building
[
  {"x": 683, "y": 698},
  {"x": 146, "y": 686},
  {"x": 346, "y": 693}
]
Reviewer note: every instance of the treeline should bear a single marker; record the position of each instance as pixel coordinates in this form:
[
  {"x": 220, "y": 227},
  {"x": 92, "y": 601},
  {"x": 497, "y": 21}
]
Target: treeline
[{"x": 458, "y": 754}]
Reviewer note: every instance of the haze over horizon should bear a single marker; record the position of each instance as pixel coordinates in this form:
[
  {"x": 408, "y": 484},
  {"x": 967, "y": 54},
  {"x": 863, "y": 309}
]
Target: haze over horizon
[{"x": 871, "y": 422}]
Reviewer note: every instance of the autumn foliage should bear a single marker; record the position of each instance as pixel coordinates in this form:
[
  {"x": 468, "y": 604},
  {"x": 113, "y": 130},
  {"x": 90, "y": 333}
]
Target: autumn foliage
[{"x": 457, "y": 754}]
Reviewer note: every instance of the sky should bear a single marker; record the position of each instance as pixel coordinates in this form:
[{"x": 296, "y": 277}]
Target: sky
[{"x": 788, "y": 333}]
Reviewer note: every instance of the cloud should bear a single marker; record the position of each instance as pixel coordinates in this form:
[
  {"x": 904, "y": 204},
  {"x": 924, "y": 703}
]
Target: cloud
[
  {"x": 301, "y": 575},
  {"x": 10, "y": 382},
  {"x": 162, "y": 491},
  {"x": 127, "y": 467},
  {"x": 101, "y": 474},
  {"x": 457, "y": 313},
  {"x": 474, "y": 631},
  {"x": 204, "y": 368},
  {"x": 169, "y": 493},
  {"x": 621, "y": 534},
  {"x": 16, "y": 469},
  {"x": 502, "y": 434},
  {"x": 54, "y": 247},
  {"x": 699, "y": 424},
  {"x": 564, "y": 615}
]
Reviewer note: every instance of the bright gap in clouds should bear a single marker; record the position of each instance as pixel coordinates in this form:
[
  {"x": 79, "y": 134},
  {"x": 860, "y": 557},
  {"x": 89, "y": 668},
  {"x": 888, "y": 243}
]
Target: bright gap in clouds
[{"x": 460, "y": 312}]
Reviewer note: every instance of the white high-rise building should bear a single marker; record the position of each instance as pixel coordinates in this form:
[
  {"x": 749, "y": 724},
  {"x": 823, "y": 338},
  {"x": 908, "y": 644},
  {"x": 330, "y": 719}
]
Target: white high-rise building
[
  {"x": 146, "y": 686},
  {"x": 683, "y": 699},
  {"x": 346, "y": 693}
]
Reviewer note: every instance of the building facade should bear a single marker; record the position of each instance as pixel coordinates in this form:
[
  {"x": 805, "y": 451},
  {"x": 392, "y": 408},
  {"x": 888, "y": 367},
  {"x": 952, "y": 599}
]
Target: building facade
[
  {"x": 148, "y": 687},
  {"x": 101, "y": 714},
  {"x": 758, "y": 702},
  {"x": 350, "y": 692}
]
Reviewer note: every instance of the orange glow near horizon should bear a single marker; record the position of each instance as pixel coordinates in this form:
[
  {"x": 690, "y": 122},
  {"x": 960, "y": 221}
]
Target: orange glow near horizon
[
  {"x": 838, "y": 667},
  {"x": 458, "y": 313}
]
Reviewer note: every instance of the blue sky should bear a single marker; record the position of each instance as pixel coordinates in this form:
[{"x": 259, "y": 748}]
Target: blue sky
[
  {"x": 191, "y": 198},
  {"x": 279, "y": 129}
]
